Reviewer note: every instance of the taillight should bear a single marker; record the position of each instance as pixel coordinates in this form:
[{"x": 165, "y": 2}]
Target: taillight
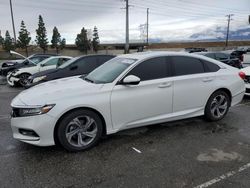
[{"x": 242, "y": 75}]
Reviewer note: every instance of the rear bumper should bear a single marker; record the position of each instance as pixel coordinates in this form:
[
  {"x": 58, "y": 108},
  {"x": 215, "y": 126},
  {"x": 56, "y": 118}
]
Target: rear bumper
[{"x": 236, "y": 99}]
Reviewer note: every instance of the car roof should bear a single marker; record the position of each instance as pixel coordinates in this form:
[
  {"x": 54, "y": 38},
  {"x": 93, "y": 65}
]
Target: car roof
[
  {"x": 97, "y": 55},
  {"x": 151, "y": 54}
]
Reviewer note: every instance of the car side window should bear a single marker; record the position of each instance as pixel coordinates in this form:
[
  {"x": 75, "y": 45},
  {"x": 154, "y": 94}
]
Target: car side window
[
  {"x": 51, "y": 62},
  {"x": 210, "y": 67},
  {"x": 86, "y": 64},
  {"x": 187, "y": 65},
  {"x": 221, "y": 56},
  {"x": 152, "y": 69},
  {"x": 211, "y": 55}
]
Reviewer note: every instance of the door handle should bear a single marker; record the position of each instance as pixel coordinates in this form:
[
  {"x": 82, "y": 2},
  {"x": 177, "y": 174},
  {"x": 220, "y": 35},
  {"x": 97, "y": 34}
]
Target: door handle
[
  {"x": 165, "y": 84},
  {"x": 207, "y": 79}
]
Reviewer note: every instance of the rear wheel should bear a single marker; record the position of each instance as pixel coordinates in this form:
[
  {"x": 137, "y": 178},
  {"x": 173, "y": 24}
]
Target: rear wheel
[
  {"x": 79, "y": 130},
  {"x": 217, "y": 106},
  {"x": 24, "y": 79}
]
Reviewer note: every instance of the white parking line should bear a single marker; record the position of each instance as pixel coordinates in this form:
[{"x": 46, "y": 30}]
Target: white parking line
[
  {"x": 4, "y": 117},
  {"x": 138, "y": 151},
  {"x": 222, "y": 177}
]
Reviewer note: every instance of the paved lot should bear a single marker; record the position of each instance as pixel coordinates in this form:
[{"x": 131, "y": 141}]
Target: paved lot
[{"x": 179, "y": 154}]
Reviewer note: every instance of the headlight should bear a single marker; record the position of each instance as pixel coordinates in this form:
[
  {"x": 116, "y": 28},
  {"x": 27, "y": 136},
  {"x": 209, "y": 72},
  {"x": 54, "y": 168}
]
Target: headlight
[
  {"x": 21, "y": 112},
  {"x": 39, "y": 79}
]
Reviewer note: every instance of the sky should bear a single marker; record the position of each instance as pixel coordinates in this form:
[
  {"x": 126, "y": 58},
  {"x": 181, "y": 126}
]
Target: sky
[{"x": 169, "y": 20}]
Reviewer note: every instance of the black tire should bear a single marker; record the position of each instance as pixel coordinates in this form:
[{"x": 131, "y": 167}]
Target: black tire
[
  {"x": 211, "y": 104},
  {"x": 64, "y": 125},
  {"x": 23, "y": 79}
]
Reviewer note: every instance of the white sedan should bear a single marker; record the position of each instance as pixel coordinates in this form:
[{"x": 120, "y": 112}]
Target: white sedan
[
  {"x": 20, "y": 76},
  {"x": 128, "y": 91}
]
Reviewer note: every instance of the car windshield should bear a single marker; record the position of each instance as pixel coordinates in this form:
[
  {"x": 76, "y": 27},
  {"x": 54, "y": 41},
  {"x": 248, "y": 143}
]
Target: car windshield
[
  {"x": 68, "y": 63},
  {"x": 109, "y": 71}
]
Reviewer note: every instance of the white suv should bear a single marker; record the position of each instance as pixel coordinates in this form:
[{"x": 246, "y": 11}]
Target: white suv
[
  {"x": 20, "y": 76},
  {"x": 126, "y": 92}
]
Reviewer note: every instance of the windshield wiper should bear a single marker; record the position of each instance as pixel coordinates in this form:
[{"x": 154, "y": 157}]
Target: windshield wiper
[{"x": 88, "y": 80}]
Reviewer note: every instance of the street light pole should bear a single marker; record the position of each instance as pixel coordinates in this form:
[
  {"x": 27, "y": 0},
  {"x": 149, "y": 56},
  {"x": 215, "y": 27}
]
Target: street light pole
[
  {"x": 13, "y": 23},
  {"x": 147, "y": 23},
  {"x": 127, "y": 28}
]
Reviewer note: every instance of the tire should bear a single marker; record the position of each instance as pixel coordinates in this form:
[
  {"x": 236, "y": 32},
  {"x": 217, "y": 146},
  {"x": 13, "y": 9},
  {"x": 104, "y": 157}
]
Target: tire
[
  {"x": 73, "y": 134},
  {"x": 23, "y": 79},
  {"x": 217, "y": 106}
]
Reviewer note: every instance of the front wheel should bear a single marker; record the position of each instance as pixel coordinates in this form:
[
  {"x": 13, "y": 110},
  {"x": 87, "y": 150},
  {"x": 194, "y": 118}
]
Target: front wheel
[
  {"x": 23, "y": 79},
  {"x": 79, "y": 130},
  {"x": 217, "y": 106}
]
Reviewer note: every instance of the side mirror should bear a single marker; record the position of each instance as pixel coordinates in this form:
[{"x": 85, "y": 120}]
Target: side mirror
[
  {"x": 74, "y": 67},
  {"x": 42, "y": 65},
  {"x": 131, "y": 80}
]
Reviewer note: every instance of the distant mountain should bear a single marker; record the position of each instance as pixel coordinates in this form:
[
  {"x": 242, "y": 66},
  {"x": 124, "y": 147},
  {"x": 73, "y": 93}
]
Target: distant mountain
[{"x": 219, "y": 34}]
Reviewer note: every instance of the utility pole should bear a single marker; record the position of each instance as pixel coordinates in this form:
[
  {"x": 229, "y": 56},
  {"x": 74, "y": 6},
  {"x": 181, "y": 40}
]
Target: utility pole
[
  {"x": 127, "y": 28},
  {"x": 13, "y": 23},
  {"x": 147, "y": 23},
  {"x": 229, "y": 18}
]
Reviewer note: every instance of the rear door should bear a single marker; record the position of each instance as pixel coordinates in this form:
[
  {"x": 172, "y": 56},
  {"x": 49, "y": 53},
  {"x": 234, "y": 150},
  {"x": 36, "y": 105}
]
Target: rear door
[{"x": 193, "y": 83}]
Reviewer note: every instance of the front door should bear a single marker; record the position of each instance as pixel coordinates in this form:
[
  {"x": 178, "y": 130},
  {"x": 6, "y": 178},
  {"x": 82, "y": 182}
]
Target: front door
[{"x": 148, "y": 102}]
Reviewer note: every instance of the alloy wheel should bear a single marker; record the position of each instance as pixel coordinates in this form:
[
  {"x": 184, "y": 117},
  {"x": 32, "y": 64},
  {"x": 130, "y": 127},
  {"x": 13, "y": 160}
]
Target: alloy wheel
[
  {"x": 81, "y": 131},
  {"x": 219, "y": 106}
]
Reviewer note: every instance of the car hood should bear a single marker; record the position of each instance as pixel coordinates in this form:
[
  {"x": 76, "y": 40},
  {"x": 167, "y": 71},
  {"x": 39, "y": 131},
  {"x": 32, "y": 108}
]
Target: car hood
[
  {"x": 56, "y": 90},
  {"x": 246, "y": 71},
  {"x": 46, "y": 72},
  {"x": 27, "y": 69}
]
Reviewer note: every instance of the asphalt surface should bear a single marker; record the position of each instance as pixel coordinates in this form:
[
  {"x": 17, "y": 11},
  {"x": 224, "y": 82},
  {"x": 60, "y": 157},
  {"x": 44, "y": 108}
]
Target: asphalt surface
[{"x": 185, "y": 153}]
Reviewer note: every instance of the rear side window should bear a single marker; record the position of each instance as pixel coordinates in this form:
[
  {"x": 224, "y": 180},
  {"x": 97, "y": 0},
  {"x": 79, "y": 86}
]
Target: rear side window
[
  {"x": 187, "y": 65},
  {"x": 210, "y": 67},
  {"x": 87, "y": 64},
  {"x": 152, "y": 69}
]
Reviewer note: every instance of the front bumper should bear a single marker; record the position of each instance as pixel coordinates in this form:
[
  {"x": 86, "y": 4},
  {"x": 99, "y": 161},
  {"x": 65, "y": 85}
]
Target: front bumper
[
  {"x": 12, "y": 80},
  {"x": 42, "y": 125}
]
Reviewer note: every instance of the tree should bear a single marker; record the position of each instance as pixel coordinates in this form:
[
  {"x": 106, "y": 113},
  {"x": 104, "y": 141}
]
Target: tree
[
  {"x": 1, "y": 40},
  {"x": 41, "y": 37},
  {"x": 96, "y": 40},
  {"x": 56, "y": 39},
  {"x": 62, "y": 43},
  {"x": 24, "y": 38},
  {"x": 82, "y": 41},
  {"x": 8, "y": 42}
]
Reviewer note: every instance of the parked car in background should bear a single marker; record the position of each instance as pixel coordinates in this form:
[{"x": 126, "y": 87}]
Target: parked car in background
[
  {"x": 77, "y": 66},
  {"x": 246, "y": 60},
  {"x": 20, "y": 76},
  {"x": 246, "y": 70},
  {"x": 29, "y": 61},
  {"x": 224, "y": 58},
  {"x": 192, "y": 50},
  {"x": 128, "y": 91},
  {"x": 236, "y": 54}
]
